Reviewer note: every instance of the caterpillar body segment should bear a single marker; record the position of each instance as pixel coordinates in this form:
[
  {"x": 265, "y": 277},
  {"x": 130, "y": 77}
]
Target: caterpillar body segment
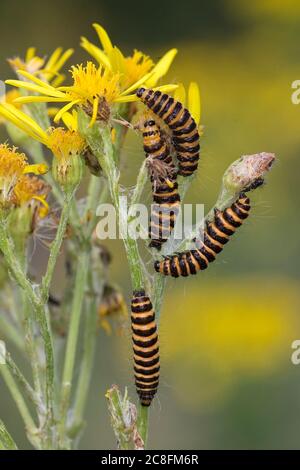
[
  {"x": 163, "y": 175},
  {"x": 164, "y": 212},
  {"x": 145, "y": 347},
  {"x": 216, "y": 235},
  {"x": 185, "y": 135}
]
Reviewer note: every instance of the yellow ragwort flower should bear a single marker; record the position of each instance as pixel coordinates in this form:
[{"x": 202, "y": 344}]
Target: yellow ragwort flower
[
  {"x": 32, "y": 192},
  {"x": 49, "y": 70},
  {"x": 62, "y": 142},
  {"x": 65, "y": 142},
  {"x": 131, "y": 68},
  {"x": 9, "y": 97},
  {"x": 13, "y": 165},
  {"x": 67, "y": 145},
  {"x": 94, "y": 88}
]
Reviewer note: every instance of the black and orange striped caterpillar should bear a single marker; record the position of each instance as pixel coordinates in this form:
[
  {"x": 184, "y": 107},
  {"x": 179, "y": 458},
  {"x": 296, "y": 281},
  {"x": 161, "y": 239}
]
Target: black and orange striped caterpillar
[
  {"x": 185, "y": 135},
  {"x": 216, "y": 235},
  {"x": 145, "y": 347},
  {"x": 163, "y": 176}
]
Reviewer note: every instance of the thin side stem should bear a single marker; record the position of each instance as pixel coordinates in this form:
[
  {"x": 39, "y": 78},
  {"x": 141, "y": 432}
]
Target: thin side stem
[
  {"x": 79, "y": 290},
  {"x": 55, "y": 246},
  {"x": 11, "y": 332},
  {"x": 31, "y": 345},
  {"x": 7, "y": 248},
  {"x": 6, "y": 440},
  {"x": 23, "y": 383},
  {"x": 86, "y": 368},
  {"x": 143, "y": 424},
  {"x": 19, "y": 400}
]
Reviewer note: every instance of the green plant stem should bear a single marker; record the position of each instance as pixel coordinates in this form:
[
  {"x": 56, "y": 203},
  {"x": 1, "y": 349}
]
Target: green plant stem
[
  {"x": 7, "y": 248},
  {"x": 89, "y": 344},
  {"x": 143, "y": 423},
  {"x": 79, "y": 290},
  {"x": 90, "y": 328},
  {"x": 97, "y": 194},
  {"x": 19, "y": 400},
  {"x": 106, "y": 160},
  {"x": 23, "y": 383},
  {"x": 140, "y": 184},
  {"x": 11, "y": 332},
  {"x": 56, "y": 245},
  {"x": 6, "y": 440},
  {"x": 135, "y": 263},
  {"x": 31, "y": 345}
]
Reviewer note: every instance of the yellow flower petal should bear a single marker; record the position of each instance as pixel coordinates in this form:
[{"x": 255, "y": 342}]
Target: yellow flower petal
[
  {"x": 162, "y": 67},
  {"x": 43, "y": 90},
  {"x": 54, "y": 57},
  {"x": 58, "y": 80},
  {"x": 95, "y": 111},
  {"x": 117, "y": 60},
  {"x": 132, "y": 98},
  {"x": 166, "y": 88},
  {"x": 52, "y": 111},
  {"x": 137, "y": 84},
  {"x": 64, "y": 109},
  {"x": 43, "y": 211},
  {"x": 180, "y": 94},
  {"x": 54, "y": 68},
  {"x": 31, "y": 51},
  {"x": 71, "y": 120},
  {"x": 104, "y": 38},
  {"x": 36, "y": 169},
  {"x": 194, "y": 102},
  {"x": 10, "y": 117},
  {"x": 35, "y": 79},
  {"x": 38, "y": 99},
  {"x": 23, "y": 121},
  {"x": 126, "y": 99},
  {"x": 113, "y": 135},
  {"x": 95, "y": 52}
]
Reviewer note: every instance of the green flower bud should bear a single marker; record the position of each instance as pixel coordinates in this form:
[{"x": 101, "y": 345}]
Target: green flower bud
[{"x": 68, "y": 171}]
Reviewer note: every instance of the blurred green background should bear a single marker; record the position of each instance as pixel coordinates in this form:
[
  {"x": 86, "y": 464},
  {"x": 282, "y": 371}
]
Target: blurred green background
[{"x": 227, "y": 378}]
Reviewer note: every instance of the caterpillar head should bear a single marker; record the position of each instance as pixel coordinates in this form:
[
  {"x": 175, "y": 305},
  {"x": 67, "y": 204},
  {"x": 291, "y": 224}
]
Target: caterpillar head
[{"x": 140, "y": 92}]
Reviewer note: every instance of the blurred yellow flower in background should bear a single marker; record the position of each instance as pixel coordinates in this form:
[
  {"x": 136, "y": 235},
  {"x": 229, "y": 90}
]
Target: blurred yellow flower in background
[
  {"x": 241, "y": 328},
  {"x": 48, "y": 70},
  {"x": 29, "y": 189},
  {"x": 275, "y": 8},
  {"x": 13, "y": 165}
]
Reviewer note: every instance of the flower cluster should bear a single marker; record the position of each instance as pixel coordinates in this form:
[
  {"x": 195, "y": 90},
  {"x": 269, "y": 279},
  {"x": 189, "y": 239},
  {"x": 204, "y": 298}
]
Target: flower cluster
[
  {"x": 103, "y": 89},
  {"x": 17, "y": 186}
]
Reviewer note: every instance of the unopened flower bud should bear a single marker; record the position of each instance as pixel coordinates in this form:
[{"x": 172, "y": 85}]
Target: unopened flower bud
[
  {"x": 247, "y": 170},
  {"x": 68, "y": 171}
]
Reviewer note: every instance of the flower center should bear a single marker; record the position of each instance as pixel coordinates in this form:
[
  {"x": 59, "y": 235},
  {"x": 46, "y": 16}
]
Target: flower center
[
  {"x": 91, "y": 82},
  {"x": 65, "y": 143}
]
